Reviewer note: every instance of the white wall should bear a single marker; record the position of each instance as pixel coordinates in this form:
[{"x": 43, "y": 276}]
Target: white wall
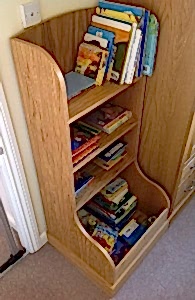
[{"x": 10, "y": 24}]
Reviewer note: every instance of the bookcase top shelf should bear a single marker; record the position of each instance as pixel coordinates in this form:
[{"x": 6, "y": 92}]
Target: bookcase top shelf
[
  {"x": 107, "y": 139},
  {"x": 94, "y": 97}
]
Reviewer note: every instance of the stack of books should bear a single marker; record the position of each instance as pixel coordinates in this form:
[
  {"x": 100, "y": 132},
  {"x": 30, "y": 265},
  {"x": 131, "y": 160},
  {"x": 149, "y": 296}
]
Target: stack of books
[
  {"x": 107, "y": 118},
  {"x": 83, "y": 142},
  {"x": 119, "y": 44},
  {"x": 111, "y": 155},
  {"x": 111, "y": 218}
]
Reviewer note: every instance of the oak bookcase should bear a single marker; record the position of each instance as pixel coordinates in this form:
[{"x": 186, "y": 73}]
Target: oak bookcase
[{"x": 42, "y": 55}]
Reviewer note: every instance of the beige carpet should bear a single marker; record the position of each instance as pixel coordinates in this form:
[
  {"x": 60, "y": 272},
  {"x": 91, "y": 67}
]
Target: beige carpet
[
  {"x": 167, "y": 273},
  {"x": 4, "y": 248}
]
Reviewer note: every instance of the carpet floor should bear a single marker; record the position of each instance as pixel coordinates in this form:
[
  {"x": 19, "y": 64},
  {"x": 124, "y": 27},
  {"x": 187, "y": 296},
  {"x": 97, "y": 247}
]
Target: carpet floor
[
  {"x": 167, "y": 273},
  {"x": 4, "y": 248}
]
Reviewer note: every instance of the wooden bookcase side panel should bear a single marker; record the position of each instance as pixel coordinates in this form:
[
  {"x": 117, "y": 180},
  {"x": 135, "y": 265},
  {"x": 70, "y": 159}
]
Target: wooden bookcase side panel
[
  {"x": 44, "y": 99},
  {"x": 152, "y": 199},
  {"x": 60, "y": 36},
  {"x": 45, "y": 104}
]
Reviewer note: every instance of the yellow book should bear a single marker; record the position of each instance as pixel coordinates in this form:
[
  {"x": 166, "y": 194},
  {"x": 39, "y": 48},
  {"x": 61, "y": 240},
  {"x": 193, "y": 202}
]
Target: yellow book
[{"x": 122, "y": 16}]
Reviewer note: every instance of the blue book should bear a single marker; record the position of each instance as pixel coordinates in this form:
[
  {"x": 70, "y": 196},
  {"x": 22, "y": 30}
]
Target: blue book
[
  {"x": 144, "y": 27},
  {"x": 76, "y": 83},
  {"x": 136, "y": 235},
  {"x": 151, "y": 45},
  {"x": 137, "y": 11},
  {"x": 105, "y": 34}
]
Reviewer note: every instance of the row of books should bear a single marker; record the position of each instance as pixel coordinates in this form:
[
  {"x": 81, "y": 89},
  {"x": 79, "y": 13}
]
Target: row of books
[
  {"x": 113, "y": 220},
  {"x": 106, "y": 160},
  {"x": 119, "y": 44},
  {"x": 86, "y": 133}
]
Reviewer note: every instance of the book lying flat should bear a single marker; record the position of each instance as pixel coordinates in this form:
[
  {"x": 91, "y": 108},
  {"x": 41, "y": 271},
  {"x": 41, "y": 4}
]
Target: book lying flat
[
  {"x": 81, "y": 180},
  {"x": 76, "y": 83},
  {"x": 81, "y": 139},
  {"x": 108, "y": 117}
]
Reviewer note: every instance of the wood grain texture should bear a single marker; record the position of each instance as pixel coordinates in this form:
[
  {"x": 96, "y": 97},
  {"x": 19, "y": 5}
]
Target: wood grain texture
[
  {"x": 60, "y": 36},
  {"x": 45, "y": 103},
  {"x": 48, "y": 116},
  {"x": 152, "y": 198},
  {"x": 169, "y": 94}
]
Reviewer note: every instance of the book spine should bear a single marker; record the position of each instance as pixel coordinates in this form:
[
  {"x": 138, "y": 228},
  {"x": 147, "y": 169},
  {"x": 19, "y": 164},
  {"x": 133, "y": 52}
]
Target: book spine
[
  {"x": 131, "y": 67},
  {"x": 113, "y": 122},
  {"x": 129, "y": 51},
  {"x": 111, "y": 23},
  {"x": 144, "y": 29},
  {"x": 89, "y": 143},
  {"x": 117, "y": 124}
]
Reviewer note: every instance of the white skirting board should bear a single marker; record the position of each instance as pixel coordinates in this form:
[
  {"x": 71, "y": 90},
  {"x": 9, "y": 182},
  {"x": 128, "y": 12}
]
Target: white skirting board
[{"x": 16, "y": 185}]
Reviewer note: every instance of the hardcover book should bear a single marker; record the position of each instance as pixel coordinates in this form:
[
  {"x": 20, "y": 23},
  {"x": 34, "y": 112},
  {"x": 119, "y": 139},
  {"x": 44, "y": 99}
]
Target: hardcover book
[
  {"x": 81, "y": 139},
  {"x": 81, "y": 180},
  {"x": 109, "y": 36},
  {"x": 105, "y": 236},
  {"x": 107, "y": 116},
  {"x": 91, "y": 62},
  {"x": 76, "y": 83}
]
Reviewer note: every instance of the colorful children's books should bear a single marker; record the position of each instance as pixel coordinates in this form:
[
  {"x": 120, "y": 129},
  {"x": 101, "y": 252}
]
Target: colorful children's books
[
  {"x": 131, "y": 65},
  {"x": 82, "y": 154},
  {"x": 136, "y": 11},
  {"x": 136, "y": 227},
  {"x": 115, "y": 190},
  {"x": 126, "y": 17},
  {"x": 109, "y": 36},
  {"x": 81, "y": 180},
  {"x": 76, "y": 83},
  {"x": 121, "y": 41},
  {"x": 81, "y": 139},
  {"x": 108, "y": 118},
  {"x": 105, "y": 236}
]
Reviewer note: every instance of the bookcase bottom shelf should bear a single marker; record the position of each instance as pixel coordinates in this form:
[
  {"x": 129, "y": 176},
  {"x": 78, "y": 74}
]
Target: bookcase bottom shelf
[
  {"x": 94, "y": 260},
  {"x": 131, "y": 262}
]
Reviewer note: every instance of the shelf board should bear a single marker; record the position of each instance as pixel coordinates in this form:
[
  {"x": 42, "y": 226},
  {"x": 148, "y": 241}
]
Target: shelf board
[
  {"x": 106, "y": 140},
  {"x": 102, "y": 178},
  {"x": 92, "y": 98}
]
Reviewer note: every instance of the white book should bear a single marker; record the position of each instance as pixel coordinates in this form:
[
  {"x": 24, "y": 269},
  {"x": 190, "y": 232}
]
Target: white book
[
  {"x": 111, "y": 23},
  {"x": 131, "y": 65},
  {"x": 90, "y": 38},
  {"x": 129, "y": 51}
]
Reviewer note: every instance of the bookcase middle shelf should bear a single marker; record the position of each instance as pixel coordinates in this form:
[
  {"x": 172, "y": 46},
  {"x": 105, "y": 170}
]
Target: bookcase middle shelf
[
  {"x": 94, "y": 97},
  {"x": 101, "y": 179},
  {"x": 106, "y": 140}
]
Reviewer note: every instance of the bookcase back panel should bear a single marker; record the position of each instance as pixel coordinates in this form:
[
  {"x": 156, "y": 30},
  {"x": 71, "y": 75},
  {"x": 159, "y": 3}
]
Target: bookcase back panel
[{"x": 60, "y": 36}]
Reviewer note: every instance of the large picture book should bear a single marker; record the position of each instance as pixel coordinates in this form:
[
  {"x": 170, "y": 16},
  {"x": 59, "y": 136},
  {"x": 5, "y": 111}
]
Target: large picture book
[{"x": 91, "y": 62}]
